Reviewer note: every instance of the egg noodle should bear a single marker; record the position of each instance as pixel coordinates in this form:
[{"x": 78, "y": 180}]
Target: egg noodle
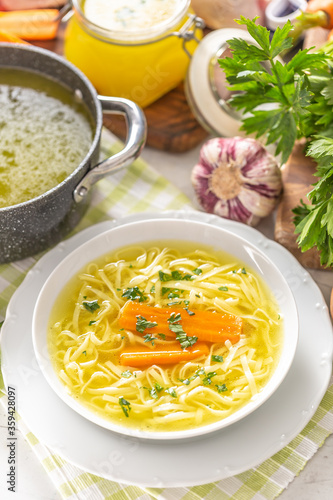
[{"x": 85, "y": 339}]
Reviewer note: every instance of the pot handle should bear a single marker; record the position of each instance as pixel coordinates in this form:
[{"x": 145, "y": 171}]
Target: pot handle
[{"x": 136, "y": 137}]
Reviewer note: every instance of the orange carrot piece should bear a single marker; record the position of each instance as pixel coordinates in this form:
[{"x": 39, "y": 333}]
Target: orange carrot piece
[
  {"x": 207, "y": 326},
  {"x": 7, "y": 37},
  {"x": 164, "y": 354},
  {"x": 35, "y": 24}
]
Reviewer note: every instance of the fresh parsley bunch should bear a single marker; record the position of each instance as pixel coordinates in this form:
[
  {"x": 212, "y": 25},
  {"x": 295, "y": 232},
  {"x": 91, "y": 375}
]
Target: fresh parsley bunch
[{"x": 283, "y": 103}]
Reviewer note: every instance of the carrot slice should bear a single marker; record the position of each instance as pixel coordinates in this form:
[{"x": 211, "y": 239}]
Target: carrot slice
[
  {"x": 35, "y": 24},
  {"x": 207, "y": 326},
  {"x": 7, "y": 37},
  {"x": 164, "y": 354}
]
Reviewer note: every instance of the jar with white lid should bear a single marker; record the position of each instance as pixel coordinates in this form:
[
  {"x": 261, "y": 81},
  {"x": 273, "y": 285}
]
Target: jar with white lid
[{"x": 138, "y": 49}]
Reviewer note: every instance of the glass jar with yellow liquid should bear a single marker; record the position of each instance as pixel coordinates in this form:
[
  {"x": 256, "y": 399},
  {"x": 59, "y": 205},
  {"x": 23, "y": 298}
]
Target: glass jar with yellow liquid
[{"x": 138, "y": 49}]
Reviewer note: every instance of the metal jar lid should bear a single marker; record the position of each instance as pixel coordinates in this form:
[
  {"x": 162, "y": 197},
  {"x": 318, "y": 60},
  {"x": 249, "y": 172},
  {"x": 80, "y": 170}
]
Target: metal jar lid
[{"x": 206, "y": 86}]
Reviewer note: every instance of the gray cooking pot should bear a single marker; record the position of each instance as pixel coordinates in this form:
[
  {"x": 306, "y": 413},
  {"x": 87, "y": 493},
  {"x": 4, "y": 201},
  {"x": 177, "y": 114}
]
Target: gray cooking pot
[{"x": 35, "y": 225}]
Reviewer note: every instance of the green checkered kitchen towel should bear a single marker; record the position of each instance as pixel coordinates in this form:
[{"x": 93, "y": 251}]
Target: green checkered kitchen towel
[{"x": 136, "y": 189}]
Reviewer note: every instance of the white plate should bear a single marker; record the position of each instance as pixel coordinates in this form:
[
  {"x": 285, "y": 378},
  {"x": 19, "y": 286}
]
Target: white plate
[{"x": 170, "y": 464}]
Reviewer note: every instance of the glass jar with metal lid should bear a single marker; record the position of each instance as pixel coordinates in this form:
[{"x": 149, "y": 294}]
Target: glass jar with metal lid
[{"x": 138, "y": 49}]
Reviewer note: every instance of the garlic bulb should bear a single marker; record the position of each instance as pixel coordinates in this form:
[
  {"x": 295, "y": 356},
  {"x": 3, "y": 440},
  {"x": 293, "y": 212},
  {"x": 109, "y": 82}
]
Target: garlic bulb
[{"x": 237, "y": 178}]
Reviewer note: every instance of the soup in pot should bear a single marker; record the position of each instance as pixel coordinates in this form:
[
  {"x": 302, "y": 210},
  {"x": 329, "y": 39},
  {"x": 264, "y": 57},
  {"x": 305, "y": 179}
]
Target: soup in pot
[{"x": 44, "y": 135}]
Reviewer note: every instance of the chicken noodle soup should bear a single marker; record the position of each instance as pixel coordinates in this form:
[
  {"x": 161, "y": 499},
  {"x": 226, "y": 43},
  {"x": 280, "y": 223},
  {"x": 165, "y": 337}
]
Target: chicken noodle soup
[
  {"x": 164, "y": 337},
  {"x": 45, "y": 134}
]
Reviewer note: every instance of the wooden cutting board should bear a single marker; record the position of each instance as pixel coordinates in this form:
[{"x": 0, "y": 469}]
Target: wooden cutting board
[{"x": 298, "y": 175}]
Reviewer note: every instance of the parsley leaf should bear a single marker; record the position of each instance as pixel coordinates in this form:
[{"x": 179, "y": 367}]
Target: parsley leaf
[
  {"x": 91, "y": 305},
  {"x": 285, "y": 88},
  {"x": 175, "y": 276},
  {"x": 208, "y": 378},
  {"x": 286, "y": 102},
  {"x": 197, "y": 271},
  {"x": 125, "y": 406},
  {"x": 149, "y": 338},
  {"x": 142, "y": 324},
  {"x": 172, "y": 392},
  {"x": 152, "y": 392},
  {"x": 221, "y": 388},
  {"x": 174, "y": 325},
  {"x": 217, "y": 359},
  {"x": 223, "y": 288},
  {"x": 190, "y": 313},
  {"x": 127, "y": 374},
  {"x": 134, "y": 293},
  {"x": 92, "y": 322}
]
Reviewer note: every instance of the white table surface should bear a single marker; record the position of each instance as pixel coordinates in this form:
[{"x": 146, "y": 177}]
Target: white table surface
[{"x": 315, "y": 482}]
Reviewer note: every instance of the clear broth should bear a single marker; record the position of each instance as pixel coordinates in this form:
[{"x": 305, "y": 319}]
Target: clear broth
[{"x": 44, "y": 135}]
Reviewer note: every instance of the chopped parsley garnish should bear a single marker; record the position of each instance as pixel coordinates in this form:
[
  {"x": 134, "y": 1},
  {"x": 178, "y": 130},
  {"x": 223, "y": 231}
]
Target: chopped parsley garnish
[
  {"x": 164, "y": 276},
  {"x": 125, "y": 406},
  {"x": 152, "y": 392},
  {"x": 186, "y": 302},
  {"x": 142, "y": 324},
  {"x": 175, "y": 276},
  {"x": 91, "y": 305},
  {"x": 184, "y": 340},
  {"x": 208, "y": 378},
  {"x": 158, "y": 387},
  {"x": 84, "y": 352},
  {"x": 243, "y": 271},
  {"x": 174, "y": 303},
  {"x": 223, "y": 288},
  {"x": 118, "y": 289},
  {"x": 172, "y": 392},
  {"x": 152, "y": 290},
  {"x": 130, "y": 266},
  {"x": 197, "y": 271},
  {"x": 279, "y": 317},
  {"x": 149, "y": 338},
  {"x": 162, "y": 335},
  {"x": 190, "y": 313},
  {"x": 221, "y": 388},
  {"x": 174, "y": 318},
  {"x": 218, "y": 359},
  {"x": 173, "y": 295},
  {"x": 127, "y": 374},
  {"x": 197, "y": 295},
  {"x": 91, "y": 322},
  {"x": 196, "y": 374},
  {"x": 134, "y": 293}
]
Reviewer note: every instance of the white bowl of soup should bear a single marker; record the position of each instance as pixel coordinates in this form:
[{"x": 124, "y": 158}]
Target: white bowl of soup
[{"x": 165, "y": 328}]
